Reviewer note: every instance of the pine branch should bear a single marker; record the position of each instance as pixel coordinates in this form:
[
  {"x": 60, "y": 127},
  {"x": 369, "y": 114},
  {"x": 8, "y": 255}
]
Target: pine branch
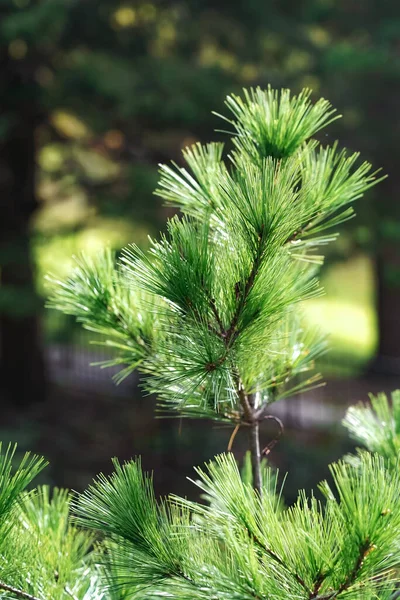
[
  {"x": 364, "y": 550},
  {"x": 278, "y": 560},
  {"x": 271, "y": 123},
  {"x": 70, "y": 593},
  {"x": 377, "y": 425},
  {"x": 17, "y": 592},
  {"x": 229, "y": 336},
  {"x": 317, "y": 585},
  {"x": 216, "y": 315},
  {"x": 297, "y": 234},
  {"x": 231, "y": 333}
]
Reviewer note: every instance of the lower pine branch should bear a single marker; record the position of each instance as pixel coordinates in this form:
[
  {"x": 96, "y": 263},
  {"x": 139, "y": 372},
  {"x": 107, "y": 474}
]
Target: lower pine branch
[{"x": 317, "y": 585}]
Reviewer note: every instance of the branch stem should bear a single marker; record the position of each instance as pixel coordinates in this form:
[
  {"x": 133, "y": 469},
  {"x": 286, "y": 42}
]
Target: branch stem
[
  {"x": 365, "y": 548},
  {"x": 254, "y": 442},
  {"x": 17, "y": 592},
  {"x": 255, "y": 455},
  {"x": 70, "y": 593},
  {"x": 229, "y": 335},
  {"x": 278, "y": 560},
  {"x": 243, "y": 293}
]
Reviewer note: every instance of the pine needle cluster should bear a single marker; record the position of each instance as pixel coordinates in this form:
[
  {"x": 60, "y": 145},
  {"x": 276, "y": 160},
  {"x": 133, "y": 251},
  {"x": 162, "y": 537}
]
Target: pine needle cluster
[
  {"x": 43, "y": 555},
  {"x": 377, "y": 425},
  {"x": 242, "y": 545},
  {"x": 123, "y": 544}
]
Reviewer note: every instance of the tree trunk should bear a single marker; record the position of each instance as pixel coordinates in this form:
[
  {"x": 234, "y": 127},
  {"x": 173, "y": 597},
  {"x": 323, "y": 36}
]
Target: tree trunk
[
  {"x": 21, "y": 356},
  {"x": 381, "y": 118},
  {"x": 387, "y": 360},
  {"x": 387, "y": 269}
]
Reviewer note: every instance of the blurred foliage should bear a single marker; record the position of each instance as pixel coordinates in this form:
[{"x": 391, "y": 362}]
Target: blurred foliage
[
  {"x": 346, "y": 315},
  {"x": 377, "y": 426},
  {"x": 124, "y": 85}
]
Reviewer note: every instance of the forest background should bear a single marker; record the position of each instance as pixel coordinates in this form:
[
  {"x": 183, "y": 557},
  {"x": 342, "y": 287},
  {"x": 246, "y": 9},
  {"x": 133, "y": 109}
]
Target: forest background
[{"x": 94, "y": 94}]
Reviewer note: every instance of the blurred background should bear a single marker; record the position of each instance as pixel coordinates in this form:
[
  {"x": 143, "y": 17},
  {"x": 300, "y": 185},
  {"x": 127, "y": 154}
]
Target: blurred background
[{"x": 93, "y": 95}]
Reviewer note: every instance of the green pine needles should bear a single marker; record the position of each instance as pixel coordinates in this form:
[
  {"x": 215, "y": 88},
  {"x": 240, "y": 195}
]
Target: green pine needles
[
  {"x": 211, "y": 316},
  {"x": 377, "y": 426},
  {"x": 123, "y": 544},
  {"x": 43, "y": 555},
  {"x": 211, "y": 313}
]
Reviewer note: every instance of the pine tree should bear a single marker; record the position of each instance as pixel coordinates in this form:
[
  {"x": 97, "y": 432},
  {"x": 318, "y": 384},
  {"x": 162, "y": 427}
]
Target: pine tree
[{"x": 210, "y": 316}]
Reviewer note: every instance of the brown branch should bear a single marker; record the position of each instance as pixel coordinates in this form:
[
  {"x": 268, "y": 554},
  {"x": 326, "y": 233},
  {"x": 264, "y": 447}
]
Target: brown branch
[
  {"x": 247, "y": 404},
  {"x": 232, "y": 438},
  {"x": 303, "y": 229},
  {"x": 273, "y": 442},
  {"x": 279, "y": 561},
  {"x": 229, "y": 336},
  {"x": 244, "y": 402},
  {"x": 364, "y": 550},
  {"x": 231, "y": 333},
  {"x": 317, "y": 585},
  {"x": 216, "y": 315},
  {"x": 17, "y": 592},
  {"x": 258, "y": 416}
]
